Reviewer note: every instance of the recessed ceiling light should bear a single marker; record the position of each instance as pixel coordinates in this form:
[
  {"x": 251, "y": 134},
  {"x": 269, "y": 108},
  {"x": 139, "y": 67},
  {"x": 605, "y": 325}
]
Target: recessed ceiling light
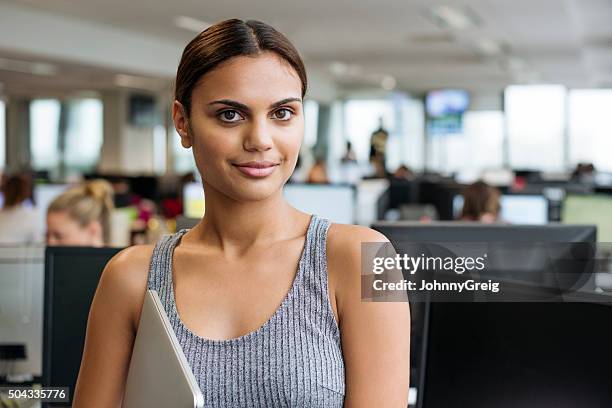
[
  {"x": 528, "y": 77},
  {"x": 27, "y": 67},
  {"x": 342, "y": 69},
  {"x": 388, "y": 82},
  {"x": 191, "y": 24},
  {"x": 355, "y": 70},
  {"x": 338, "y": 68},
  {"x": 453, "y": 18},
  {"x": 132, "y": 81},
  {"x": 516, "y": 64},
  {"x": 488, "y": 46}
]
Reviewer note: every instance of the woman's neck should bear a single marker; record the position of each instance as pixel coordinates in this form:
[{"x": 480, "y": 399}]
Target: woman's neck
[{"x": 236, "y": 226}]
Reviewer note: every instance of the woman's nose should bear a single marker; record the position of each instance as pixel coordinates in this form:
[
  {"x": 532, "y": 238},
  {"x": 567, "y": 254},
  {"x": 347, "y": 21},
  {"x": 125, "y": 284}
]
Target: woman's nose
[{"x": 258, "y": 137}]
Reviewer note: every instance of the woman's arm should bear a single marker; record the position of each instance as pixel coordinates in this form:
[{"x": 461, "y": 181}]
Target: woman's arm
[
  {"x": 111, "y": 329},
  {"x": 375, "y": 336}
]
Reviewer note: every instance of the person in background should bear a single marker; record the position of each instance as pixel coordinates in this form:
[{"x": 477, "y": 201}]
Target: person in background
[
  {"x": 378, "y": 150},
  {"x": 481, "y": 203},
  {"x": 377, "y": 165},
  {"x": 584, "y": 173},
  {"x": 403, "y": 172},
  {"x": 349, "y": 156},
  {"x": 350, "y": 171},
  {"x": 318, "y": 173},
  {"x": 18, "y": 222},
  {"x": 81, "y": 215}
]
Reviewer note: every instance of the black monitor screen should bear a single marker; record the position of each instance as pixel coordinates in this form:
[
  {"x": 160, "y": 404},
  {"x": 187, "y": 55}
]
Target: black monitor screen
[
  {"x": 508, "y": 355},
  {"x": 402, "y": 232},
  {"x": 71, "y": 278},
  {"x": 474, "y": 232}
]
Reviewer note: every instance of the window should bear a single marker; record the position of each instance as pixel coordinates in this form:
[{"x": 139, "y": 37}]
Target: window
[
  {"x": 70, "y": 132},
  {"x": 478, "y": 147},
  {"x": 2, "y": 134},
  {"x": 406, "y": 143},
  {"x": 362, "y": 118},
  {"x": 83, "y": 134},
  {"x": 535, "y": 120},
  {"x": 44, "y": 133},
  {"x": 484, "y": 133},
  {"x": 311, "y": 119},
  {"x": 590, "y": 128}
]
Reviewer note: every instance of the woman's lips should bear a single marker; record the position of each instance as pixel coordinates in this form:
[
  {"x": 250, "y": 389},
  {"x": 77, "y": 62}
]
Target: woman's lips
[{"x": 256, "y": 169}]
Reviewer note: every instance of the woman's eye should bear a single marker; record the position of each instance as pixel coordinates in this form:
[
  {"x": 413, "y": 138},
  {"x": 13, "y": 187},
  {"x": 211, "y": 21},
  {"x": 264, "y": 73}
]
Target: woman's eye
[
  {"x": 283, "y": 114},
  {"x": 230, "y": 116}
]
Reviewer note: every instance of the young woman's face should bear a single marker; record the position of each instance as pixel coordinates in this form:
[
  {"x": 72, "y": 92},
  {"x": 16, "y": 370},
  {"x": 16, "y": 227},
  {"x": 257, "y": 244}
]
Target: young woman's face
[
  {"x": 64, "y": 231},
  {"x": 246, "y": 126}
]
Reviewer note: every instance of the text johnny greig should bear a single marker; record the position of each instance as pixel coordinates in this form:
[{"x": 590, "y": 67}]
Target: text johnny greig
[{"x": 414, "y": 264}]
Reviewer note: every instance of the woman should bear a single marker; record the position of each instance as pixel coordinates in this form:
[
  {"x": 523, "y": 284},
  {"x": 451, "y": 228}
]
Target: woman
[
  {"x": 81, "y": 216},
  {"x": 481, "y": 203},
  {"x": 19, "y": 223},
  {"x": 264, "y": 298}
]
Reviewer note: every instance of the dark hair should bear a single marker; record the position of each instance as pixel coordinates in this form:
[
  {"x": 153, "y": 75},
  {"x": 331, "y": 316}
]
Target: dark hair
[
  {"x": 479, "y": 198},
  {"x": 225, "y": 40},
  {"x": 16, "y": 189}
]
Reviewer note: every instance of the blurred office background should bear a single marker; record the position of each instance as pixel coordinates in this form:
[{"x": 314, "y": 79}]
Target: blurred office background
[
  {"x": 463, "y": 90},
  {"x": 515, "y": 93}
]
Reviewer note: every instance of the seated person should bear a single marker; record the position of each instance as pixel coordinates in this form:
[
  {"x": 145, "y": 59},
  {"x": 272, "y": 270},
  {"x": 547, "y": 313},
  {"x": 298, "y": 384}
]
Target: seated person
[
  {"x": 19, "y": 223},
  {"x": 481, "y": 203},
  {"x": 81, "y": 215},
  {"x": 318, "y": 173}
]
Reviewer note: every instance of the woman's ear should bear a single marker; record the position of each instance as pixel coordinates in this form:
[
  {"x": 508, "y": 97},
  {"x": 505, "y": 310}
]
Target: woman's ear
[{"x": 181, "y": 124}]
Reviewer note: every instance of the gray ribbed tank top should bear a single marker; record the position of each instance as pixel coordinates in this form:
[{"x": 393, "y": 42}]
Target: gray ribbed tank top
[{"x": 293, "y": 360}]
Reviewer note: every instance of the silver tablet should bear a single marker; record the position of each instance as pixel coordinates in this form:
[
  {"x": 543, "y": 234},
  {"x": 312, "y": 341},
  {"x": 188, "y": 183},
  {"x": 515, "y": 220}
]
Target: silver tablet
[{"x": 159, "y": 374}]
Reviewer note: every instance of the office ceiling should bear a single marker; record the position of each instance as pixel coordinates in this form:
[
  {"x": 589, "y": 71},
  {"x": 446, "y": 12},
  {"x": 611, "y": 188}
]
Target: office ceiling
[{"x": 374, "y": 43}]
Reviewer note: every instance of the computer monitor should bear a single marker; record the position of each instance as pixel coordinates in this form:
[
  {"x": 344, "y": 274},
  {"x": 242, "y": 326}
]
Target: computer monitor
[
  {"x": 508, "y": 355},
  {"x": 515, "y": 252},
  {"x": 144, "y": 186},
  {"x": 193, "y": 200},
  {"x": 336, "y": 202},
  {"x": 515, "y": 208},
  {"x": 21, "y": 307},
  {"x": 531, "y": 267},
  {"x": 590, "y": 209},
  {"x": 407, "y": 231},
  {"x": 402, "y": 192},
  {"x": 71, "y": 279},
  {"x": 440, "y": 192}
]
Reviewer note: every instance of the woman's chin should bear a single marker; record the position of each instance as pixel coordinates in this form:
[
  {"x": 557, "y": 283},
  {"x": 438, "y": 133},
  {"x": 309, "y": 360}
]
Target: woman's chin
[{"x": 255, "y": 191}]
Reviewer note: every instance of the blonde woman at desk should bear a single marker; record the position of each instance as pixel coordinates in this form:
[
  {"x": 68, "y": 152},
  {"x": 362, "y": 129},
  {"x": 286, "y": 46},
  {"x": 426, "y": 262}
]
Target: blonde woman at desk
[
  {"x": 81, "y": 215},
  {"x": 264, "y": 299}
]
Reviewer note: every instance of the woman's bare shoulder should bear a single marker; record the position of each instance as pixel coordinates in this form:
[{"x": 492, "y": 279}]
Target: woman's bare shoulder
[
  {"x": 130, "y": 265},
  {"x": 125, "y": 278},
  {"x": 346, "y": 240},
  {"x": 344, "y": 252}
]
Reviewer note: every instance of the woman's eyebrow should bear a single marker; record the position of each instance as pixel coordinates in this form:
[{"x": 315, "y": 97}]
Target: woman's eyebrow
[
  {"x": 284, "y": 101},
  {"x": 229, "y": 102},
  {"x": 245, "y": 108}
]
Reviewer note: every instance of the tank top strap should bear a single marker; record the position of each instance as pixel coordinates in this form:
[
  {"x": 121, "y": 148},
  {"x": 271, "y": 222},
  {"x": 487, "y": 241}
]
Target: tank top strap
[
  {"x": 315, "y": 278},
  {"x": 317, "y": 244},
  {"x": 159, "y": 278}
]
